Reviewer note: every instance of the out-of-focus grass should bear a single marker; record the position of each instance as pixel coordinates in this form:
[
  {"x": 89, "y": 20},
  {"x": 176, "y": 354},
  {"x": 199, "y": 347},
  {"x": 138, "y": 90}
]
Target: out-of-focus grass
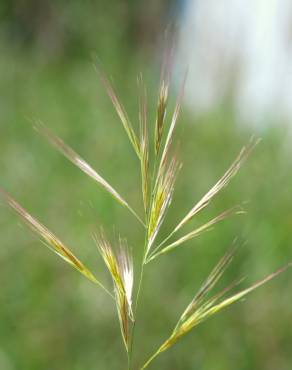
[{"x": 50, "y": 317}]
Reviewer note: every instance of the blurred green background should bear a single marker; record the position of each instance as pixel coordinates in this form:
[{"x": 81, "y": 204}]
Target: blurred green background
[{"x": 52, "y": 318}]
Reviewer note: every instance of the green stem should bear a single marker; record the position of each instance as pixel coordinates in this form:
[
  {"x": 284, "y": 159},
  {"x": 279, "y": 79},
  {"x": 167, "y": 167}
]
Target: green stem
[
  {"x": 129, "y": 361},
  {"x": 155, "y": 250},
  {"x": 136, "y": 215},
  {"x": 150, "y": 360},
  {"x": 160, "y": 350},
  {"x": 143, "y": 263},
  {"x": 103, "y": 288},
  {"x": 165, "y": 345},
  {"x": 136, "y": 304}
]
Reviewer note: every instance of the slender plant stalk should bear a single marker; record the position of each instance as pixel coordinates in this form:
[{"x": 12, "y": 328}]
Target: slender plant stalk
[
  {"x": 153, "y": 357},
  {"x": 144, "y": 256},
  {"x": 142, "y": 267},
  {"x": 136, "y": 308}
]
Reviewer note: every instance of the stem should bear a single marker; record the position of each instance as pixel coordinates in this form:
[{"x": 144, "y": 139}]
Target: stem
[
  {"x": 129, "y": 361},
  {"x": 161, "y": 349},
  {"x": 155, "y": 250},
  {"x": 135, "y": 214},
  {"x": 139, "y": 286},
  {"x": 144, "y": 260},
  {"x": 150, "y": 360},
  {"x": 137, "y": 303},
  {"x": 103, "y": 287},
  {"x": 165, "y": 345}
]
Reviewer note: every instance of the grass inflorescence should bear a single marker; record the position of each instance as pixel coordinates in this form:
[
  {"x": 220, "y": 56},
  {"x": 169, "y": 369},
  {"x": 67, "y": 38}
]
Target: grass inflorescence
[{"x": 159, "y": 168}]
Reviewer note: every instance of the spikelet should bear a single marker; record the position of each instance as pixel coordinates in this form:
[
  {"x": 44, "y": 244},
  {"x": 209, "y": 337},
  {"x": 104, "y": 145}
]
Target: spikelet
[
  {"x": 201, "y": 308},
  {"x": 51, "y": 241},
  {"x": 223, "y": 181},
  {"x": 162, "y": 197},
  {"x": 176, "y": 112},
  {"x": 163, "y": 92},
  {"x": 120, "y": 266},
  {"x": 144, "y": 143},
  {"x": 209, "y": 283},
  {"x": 195, "y": 233},
  {"x": 120, "y": 111},
  {"x": 199, "y": 313},
  {"x": 127, "y": 273},
  {"x": 161, "y": 113},
  {"x": 70, "y": 154},
  {"x": 165, "y": 178}
]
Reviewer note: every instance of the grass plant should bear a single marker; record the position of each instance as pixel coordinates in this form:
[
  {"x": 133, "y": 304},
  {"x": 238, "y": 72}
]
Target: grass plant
[{"x": 159, "y": 166}]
